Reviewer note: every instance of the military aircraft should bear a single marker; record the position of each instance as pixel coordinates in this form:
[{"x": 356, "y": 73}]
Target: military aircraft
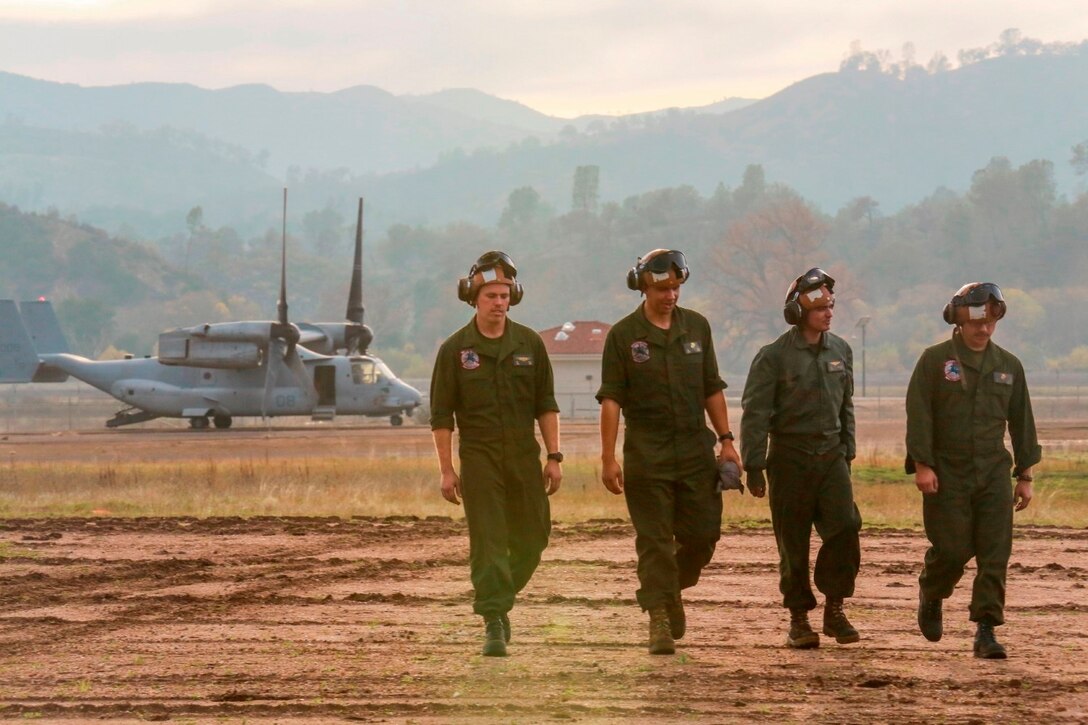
[{"x": 218, "y": 371}]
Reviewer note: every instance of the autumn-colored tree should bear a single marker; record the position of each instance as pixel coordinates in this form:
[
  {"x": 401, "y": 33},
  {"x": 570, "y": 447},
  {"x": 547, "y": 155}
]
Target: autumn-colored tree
[{"x": 761, "y": 254}]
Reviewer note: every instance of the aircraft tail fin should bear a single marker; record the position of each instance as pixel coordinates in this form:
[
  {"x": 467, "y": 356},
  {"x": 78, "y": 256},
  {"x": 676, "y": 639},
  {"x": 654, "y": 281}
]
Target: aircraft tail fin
[
  {"x": 44, "y": 327},
  {"x": 46, "y": 336},
  {"x": 18, "y": 358}
]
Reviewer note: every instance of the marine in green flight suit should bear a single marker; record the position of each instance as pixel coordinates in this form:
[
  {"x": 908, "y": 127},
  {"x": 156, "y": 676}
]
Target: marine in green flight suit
[
  {"x": 799, "y": 395},
  {"x": 493, "y": 379},
  {"x": 962, "y": 395},
  {"x": 660, "y": 369}
]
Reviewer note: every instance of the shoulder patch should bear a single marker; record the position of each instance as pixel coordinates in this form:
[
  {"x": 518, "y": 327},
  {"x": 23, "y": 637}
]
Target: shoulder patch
[
  {"x": 952, "y": 371},
  {"x": 470, "y": 359},
  {"x": 640, "y": 351}
]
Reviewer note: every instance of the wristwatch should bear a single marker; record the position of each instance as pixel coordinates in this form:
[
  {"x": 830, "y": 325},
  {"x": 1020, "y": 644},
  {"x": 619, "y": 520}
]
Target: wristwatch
[
  {"x": 557, "y": 457},
  {"x": 727, "y": 436}
]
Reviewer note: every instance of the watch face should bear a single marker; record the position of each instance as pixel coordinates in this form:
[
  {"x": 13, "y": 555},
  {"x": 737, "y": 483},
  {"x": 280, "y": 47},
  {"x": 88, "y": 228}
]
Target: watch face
[{"x": 557, "y": 457}]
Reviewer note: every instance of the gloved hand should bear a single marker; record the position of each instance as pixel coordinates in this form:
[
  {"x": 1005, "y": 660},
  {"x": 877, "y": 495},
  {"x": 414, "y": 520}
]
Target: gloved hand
[
  {"x": 757, "y": 482},
  {"x": 729, "y": 477}
]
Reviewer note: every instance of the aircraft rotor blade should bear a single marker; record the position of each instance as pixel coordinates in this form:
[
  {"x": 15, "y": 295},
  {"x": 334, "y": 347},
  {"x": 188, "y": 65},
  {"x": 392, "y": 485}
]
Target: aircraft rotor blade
[
  {"x": 355, "y": 291},
  {"x": 281, "y": 303}
]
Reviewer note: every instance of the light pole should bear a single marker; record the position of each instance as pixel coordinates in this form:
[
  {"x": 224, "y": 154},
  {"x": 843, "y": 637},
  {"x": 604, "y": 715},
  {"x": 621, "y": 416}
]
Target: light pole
[{"x": 862, "y": 322}]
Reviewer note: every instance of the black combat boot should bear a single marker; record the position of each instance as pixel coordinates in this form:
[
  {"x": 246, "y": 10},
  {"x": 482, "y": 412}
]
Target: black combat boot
[
  {"x": 801, "y": 635},
  {"x": 661, "y": 642},
  {"x": 930, "y": 618},
  {"x": 986, "y": 645},
  {"x": 837, "y": 625},
  {"x": 494, "y": 637},
  {"x": 505, "y": 626},
  {"x": 678, "y": 619}
]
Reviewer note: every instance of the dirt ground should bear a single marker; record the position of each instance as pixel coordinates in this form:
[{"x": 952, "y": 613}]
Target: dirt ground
[{"x": 316, "y": 620}]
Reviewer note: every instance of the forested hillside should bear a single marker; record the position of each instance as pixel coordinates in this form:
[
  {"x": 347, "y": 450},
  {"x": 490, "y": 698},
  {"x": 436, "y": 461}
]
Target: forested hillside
[{"x": 137, "y": 158}]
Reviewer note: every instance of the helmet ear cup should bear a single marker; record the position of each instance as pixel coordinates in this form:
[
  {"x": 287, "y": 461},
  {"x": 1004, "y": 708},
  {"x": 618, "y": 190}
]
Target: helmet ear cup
[
  {"x": 632, "y": 278},
  {"x": 949, "y": 314},
  {"x": 792, "y": 311},
  {"x": 464, "y": 290}
]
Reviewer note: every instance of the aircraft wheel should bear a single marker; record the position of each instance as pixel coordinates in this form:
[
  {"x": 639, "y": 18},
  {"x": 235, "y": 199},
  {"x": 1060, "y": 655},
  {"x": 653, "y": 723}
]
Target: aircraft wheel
[
  {"x": 396, "y": 420},
  {"x": 222, "y": 421},
  {"x": 198, "y": 422}
]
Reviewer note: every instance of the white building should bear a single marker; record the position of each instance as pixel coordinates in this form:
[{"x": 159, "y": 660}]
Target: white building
[{"x": 575, "y": 349}]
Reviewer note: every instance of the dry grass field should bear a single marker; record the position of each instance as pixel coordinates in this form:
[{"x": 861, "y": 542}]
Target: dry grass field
[{"x": 304, "y": 575}]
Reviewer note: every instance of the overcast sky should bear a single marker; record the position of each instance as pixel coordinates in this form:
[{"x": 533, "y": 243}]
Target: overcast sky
[{"x": 562, "y": 57}]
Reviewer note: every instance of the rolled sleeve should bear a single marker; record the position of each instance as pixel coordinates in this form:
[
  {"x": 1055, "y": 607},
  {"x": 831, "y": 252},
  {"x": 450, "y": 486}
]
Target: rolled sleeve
[
  {"x": 444, "y": 390},
  {"x": 712, "y": 379},
  {"x": 545, "y": 390},
  {"x": 613, "y": 375}
]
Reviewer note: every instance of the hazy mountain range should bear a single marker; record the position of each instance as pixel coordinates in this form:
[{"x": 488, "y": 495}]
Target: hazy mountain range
[{"x": 140, "y": 156}]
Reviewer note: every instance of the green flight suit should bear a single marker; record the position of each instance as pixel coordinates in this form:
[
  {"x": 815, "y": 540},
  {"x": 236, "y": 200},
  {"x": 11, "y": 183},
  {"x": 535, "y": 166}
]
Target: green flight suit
[
  {"x": 800, "y": 396},
  {"x": 956, "y": 420},
  {"x": 496, "y": 390},
  {"x": 661, "y": 380}
]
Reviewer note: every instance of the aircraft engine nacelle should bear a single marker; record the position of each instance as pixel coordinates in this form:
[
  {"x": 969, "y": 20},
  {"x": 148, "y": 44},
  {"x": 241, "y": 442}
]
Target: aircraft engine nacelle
[
  {"x": 255, "y": 332},
  {"x": 181, "y": 348}
]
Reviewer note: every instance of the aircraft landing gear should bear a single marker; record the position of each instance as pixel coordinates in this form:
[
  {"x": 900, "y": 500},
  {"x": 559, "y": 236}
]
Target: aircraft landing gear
[
  {"x": 396, "y": 420},
  {"x": 198, "y": 422},
  {"x": 221, "y": 421}
]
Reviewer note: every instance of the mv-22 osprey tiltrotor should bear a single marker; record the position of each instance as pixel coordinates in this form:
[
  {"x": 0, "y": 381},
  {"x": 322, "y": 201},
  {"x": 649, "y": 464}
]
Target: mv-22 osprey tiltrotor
[{"x": 218, "y": 371}]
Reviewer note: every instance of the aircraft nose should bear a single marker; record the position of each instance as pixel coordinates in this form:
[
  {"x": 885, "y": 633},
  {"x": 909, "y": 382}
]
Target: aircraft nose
[{"x": 415, "y": 398}]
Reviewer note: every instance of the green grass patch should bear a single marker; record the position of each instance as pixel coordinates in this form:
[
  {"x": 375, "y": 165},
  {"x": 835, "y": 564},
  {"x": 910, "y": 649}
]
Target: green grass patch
[{"x": 409, "y": 486}]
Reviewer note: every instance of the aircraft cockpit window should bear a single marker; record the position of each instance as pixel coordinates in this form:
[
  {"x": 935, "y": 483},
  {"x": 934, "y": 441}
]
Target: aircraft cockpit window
[
  {"x": 364, "y": 372},
  {"x": 385, "y": 371}
]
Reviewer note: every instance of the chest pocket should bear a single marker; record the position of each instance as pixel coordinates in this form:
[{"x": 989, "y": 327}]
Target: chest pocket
[
  {"x": 693, "y": 364},
  {"x": 521, "y": 370},
  {"x": 996, "y": 394},
  {"x": 477, "y": 386}
]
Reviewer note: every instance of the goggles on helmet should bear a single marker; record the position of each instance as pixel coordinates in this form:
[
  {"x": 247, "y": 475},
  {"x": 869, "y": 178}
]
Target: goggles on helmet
[
  {"x": 979, "y": 295},
  {"x": 490, "y": 260},
  {"x": 662, "y": 263},
  {"x": 815, "y": 278}
]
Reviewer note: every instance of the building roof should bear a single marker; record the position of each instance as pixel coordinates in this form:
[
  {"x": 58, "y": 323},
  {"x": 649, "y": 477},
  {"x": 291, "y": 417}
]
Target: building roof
[{"x": 581, "y": 337}]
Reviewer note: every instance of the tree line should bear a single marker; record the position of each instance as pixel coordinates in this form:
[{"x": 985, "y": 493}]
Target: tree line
[{"x": 745, "y": 243}]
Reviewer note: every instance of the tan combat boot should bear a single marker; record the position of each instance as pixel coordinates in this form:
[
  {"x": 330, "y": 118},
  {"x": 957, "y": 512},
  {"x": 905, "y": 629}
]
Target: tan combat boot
[{"x": 661, "y": 642}]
